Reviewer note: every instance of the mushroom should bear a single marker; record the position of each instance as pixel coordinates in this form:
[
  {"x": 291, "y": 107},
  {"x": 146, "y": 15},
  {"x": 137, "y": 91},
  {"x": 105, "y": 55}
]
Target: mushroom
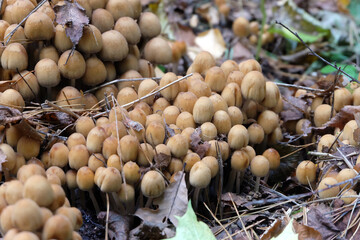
[
  {"x": 253, "y": 86},
  {"x": 322, "y": 114},
  {"x": 208, "y": 131},
  {"x": 131, "y": 172},
  {"x": 240, "y": 27},
  {"x": 28, "y": 147},
  {"x": 215, "y": 78},
  {"x": 95, "y": 139},
  {"x": 158, "y": 51},
  {"x": 39, "y": 26},
  {"x": 38, "y": 189},
  {"x": 149, "y": 25},
  {"x": 120, "y": 8},
  {"x": 59, "y": 155},
  {"x": 128, "y": 148},
  {"x": 152, "y": 185},
  {"x": 57, "y": 227},
  {"x": 185, "y": 101},
  {"x": 326, "y": 183},
  {"x": 240, "y": 160},
  {"x": 200, "y": 177},
  {"x": 232, "y": 94},
  {"x": 91, "y": 40},
  {"x": 85, "y": 181},
  {"x": 178, "y": 145},
  {"x": 306, "y": 172},
  {"x": 129, "y": 29},
  {"x": 102, "y": 19},
  {"x": 95, "y": 72},
  {"x": 72, "y": 65},
  {"x": 78, "y": 156},
  {"x": 75, "y": 139},
  {"x": 47, "y": 74},
  {"x": 115, "y": 46},
  {"x": 203, "y": 110},
  {"x": 14, "y": 57},
  {"x": 260, "y": 167},
  {"x": 26, "y": 215},
  {"x": 238, "y": 137}
]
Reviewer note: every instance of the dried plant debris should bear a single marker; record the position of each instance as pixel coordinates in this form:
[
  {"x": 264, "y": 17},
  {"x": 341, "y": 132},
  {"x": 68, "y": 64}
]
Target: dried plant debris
[{"x": 72, "y": 17}]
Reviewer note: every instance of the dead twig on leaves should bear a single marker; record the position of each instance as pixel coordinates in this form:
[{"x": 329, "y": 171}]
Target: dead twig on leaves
[
  {"x": 315, "y": 54},
  {"x": 299, "y": 87}
]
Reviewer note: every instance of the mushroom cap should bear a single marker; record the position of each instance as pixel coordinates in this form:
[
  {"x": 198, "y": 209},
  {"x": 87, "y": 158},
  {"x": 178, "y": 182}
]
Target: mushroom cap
[
  {"x": 240, "y": 27},
  {"x": 260, "y": 166},
  {"x": 85, "y": 178},
  {"x": 273, "y": 156},
  {"x": 269, "y": 121},
  {"x": 57, "y": 227},
  {"x": 75, "y": 66},
  {"x": 253, "y": 86},
  {"x": 240, "y": 160},
  {"x": 203, "y": 110},
  {"x": 129, "y": 29},
  {"x": 306, "y": 172},
  {"x": 91, "y": 40},
  {"x": 47, "y": 73},
  {"x": 158, "y": 51},
  {"x": 200, "y": 175},
  {"x": 39, "y": 26},
  {"x": 322, "y": 114},
  {"x": 152, "y": 184},
  {"x": 38, "y": 189},
  {"x": 149, "y": 25},
  {"x": 326, "y": 183},
  {"x": 27, "y": 85},
  {"x": 120, "y": 8},
  {"x": 131, "y": 172},
  {"x": 14, "y": 57},
  {"x": 61, "y": 41},
  {"x": 102, "y": 19},
  {"x": 115, "y": 46},
  {"x": 238, "y": 137},
  {"x": 26, "y": 215},
  {"x": 95, "y": 72}
]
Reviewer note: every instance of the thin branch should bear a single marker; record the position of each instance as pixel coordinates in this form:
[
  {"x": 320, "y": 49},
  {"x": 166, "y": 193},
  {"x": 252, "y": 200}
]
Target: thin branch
[
  {"x": 299, "y": 87},
  {"x": 315, "y": 54},
  {"x": 62, "y": 109},
  {"x": 10, "y": 34}
]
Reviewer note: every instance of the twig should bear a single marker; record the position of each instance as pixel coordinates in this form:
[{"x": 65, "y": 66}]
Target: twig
[
  {"x": 237, "y": 213},
  {"x": 155, "y": 92},
  {"x": 221, "y": 173},
  {"x": 315, "y": 54},
  {"x": 299, "y": 87},
  {"x": 62, "y": 109},
  {"x": 351, "y": 214},
  {"x": 333, "y": 95},
  {"x": 217, "y": 220},
  {"x": 10, "y": 34},
  {"x": 176, "y": 193},
  {"x": 119, "y": 80},
  {"x": 346, "y": 160}
]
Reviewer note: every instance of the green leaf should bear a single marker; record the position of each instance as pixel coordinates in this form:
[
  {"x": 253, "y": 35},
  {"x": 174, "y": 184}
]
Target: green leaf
[
  {"x": 288, "y": 233},
  {"x": 354, "y": 8},
  {"x": 189, "y": 228},
  {"x": 308, "y": 38},
  {"x": 349, "y": 69}
]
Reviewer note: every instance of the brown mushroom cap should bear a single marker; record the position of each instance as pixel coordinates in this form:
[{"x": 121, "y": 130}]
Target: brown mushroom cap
[
  {"x": 260, "y": 166},
  {"x": 326, "y": 183},
  {"x": 47, "y": 73},
  {"x": 14, "y": 57},
  {"x": 18, "y": 36},
  {"x": 129, "y": 29},
  {"x": 39, "y": 190},
  {"x": 91, "y": 40},
  {"x": 39, "y": 26},
  {"x": 158, "y": 51},
  {"x": 26, "y": 215},
  {"x": 61, "y": 41},
  {"x": 17, "y": 11},
  {"x": 240, "y": 27},
  {"x": 152, "y": 184},
  {"x": 57, "y": 227},
  {"x": 200, "y": 175},
  {"x": 27, "y": 84},
  {"x": 120, "y": 8},
  {"x": 75, "y": 66},
  {"x": 306, "y": 172},
  {"x": 12, "y": 98},
  {"x": 115, "y": 46},
  {"x": 149, "y": 24},
  {"x": 95, "y": 72},
  {"x": 253, "y": 86},
  {"x": 102, "y": 19}
]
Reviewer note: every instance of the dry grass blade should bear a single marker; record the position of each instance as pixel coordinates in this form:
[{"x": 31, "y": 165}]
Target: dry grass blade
[
  {"x": 237, "y": 213},
  {"x": 217, "y": 220},
  {"x": 299, "y": 87}
]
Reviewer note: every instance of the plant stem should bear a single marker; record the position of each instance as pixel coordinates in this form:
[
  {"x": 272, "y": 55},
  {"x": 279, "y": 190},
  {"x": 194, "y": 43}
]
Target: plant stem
[
  {"x": 257, "y": 184},
  {"x": 263, "y": 20}
]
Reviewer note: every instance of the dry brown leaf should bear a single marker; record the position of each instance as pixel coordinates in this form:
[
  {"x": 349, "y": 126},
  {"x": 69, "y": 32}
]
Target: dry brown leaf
[
  {"x": 162, "y": 160},
  {"x": 9, "y": 115},
  {"x": 197, "y": 145},
  {"x": 73, "y": 17},
  {"x": 172, "y": 203},
  {"x": 273, "y": 230},
  {"x": 119, "y": 226},
  {"x": 341, "y": 118},
  {"x": 319, "y": 219},
  {"x": 26, "y": 129},
  {"x": 306, "y": 232}
]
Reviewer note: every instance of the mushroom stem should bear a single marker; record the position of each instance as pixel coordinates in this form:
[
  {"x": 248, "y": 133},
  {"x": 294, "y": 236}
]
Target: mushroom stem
[
  {"x": 118, "y": 204},
  {"x": 196, "y": 198},
  {"x": 175, "y": 67},
  {"x": 48, "y": 93},
  {"x": 148, "y": 202},
  {"x": 239, "y": 179},
  {"x": 257, "y": 184},
  {"x": 94, "y": 201},
  {"x": 7, "y": 175},
  {"x": 266, "y": 178},
  {"x": 73, "y": 82},
  {"x": 72, "y": 197},
  {"x": 231, "y": 180}
]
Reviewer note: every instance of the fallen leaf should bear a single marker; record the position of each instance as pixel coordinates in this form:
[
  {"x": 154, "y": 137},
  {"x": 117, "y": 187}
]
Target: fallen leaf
[
  {"x": 197, "y": 145},
  {"x": 189, "y": 228},
  {"x": 26, "y": 129},
  {"x": 2, "y": 159},
  {"x": 237, "y": 199},
  {"x": 288, "y": 233},
  {"x": 306, "y": 232},
  {"x": 73, "y": 18},
  {"x": 132, "y": 124},
  {"x": 162, "y": 160},
  {"x": 319, "y": 219},
  {"x": 342, "y": 117},
  {"x": 172, "y": 203},
  {"x": 9, "y": 115},
  {"x": 211, "y": 41},
  {"x": 272, "y": 231},
  {"x": 119, "y": 226},
  {"x": 241, "y": 53}
]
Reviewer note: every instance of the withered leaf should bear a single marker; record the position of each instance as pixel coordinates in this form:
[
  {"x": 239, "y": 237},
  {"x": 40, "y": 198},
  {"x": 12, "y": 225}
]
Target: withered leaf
[
  {"x": 133, "y": 124},
  {"x": 291, "y": 114},
  {"x": 9, "y": 115},
  {"x": 26, "y": 129},
  {"x": 319, "y": 219},
  {"x": 197, "y": 145},
  {"x": 273, "y": 230},
  {"x": 342, "y": 117},
  {"x": 306, "y": 232},
  {"x": 239, "y": 200},
  {"x": 162, "y": 160},
  {"x": 2, "y": 159},
  {"x": 119, "y": 226},
  {"x": 73, "y": 17},
  {"x": 172, "y": 203}
]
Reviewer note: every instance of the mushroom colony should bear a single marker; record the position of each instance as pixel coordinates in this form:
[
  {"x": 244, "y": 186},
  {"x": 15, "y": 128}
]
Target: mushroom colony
[{"x": 127, "y": 138}]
